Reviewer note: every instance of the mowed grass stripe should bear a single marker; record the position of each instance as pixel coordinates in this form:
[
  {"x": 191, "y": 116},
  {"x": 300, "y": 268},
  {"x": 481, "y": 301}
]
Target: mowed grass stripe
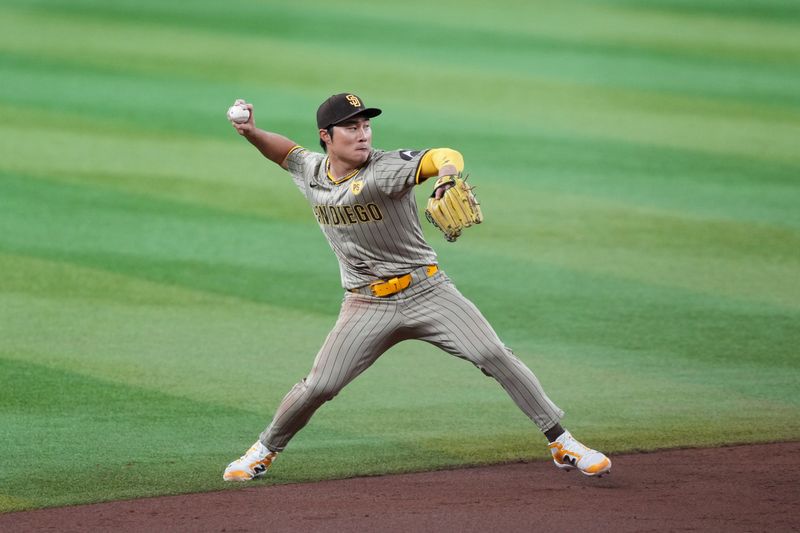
[
  {"x": 169, "y": 243},
  {"x": 604, "y": 310},
  {"x": 621, "y": 31},
  {"x": 682, "y": 182},
  {"x": 132, "y": 331},
  {"x": 599, "y": 237},
  {"x": 743, "y": 134},
  {"x": 715, "y": 257},
  {"x": 510, "y": 48},
  {"x": 707, "y": 245},
  {"x": 76, "y": 427},
  {"x": 173, "y": 456},
  {"x": 517, "y": 73},
  {"x": 780, "y": 10},
  {"x": 732, "y": 187},
  {"x": 185, "y": 460},
  {"x": 590, "y": 24}
]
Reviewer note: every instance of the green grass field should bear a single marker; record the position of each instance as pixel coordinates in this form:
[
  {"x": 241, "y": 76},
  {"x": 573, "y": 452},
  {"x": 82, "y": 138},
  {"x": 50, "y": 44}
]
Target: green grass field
[{"x": 162, "y": 286}]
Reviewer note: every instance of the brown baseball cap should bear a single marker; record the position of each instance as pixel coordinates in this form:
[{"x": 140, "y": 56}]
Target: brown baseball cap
[{"x": 340, "y": 107}]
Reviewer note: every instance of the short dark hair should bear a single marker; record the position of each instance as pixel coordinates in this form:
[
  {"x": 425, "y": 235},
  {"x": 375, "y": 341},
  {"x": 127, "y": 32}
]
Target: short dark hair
[{"x": 329, "y": 129}]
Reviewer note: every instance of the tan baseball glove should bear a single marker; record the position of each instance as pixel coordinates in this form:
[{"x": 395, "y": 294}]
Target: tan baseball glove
[{"x": 456, "y": 209}]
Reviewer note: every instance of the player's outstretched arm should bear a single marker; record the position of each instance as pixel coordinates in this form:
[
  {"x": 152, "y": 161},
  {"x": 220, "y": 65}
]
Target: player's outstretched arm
[{"x": 273, "y": 146}]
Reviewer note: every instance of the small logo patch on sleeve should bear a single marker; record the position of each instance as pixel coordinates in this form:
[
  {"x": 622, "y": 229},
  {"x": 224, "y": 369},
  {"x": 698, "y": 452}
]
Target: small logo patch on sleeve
[{"x": 408, "y": 155}]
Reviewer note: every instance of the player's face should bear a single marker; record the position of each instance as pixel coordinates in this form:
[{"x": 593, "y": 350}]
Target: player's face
[{"x": 352, "y": 141}]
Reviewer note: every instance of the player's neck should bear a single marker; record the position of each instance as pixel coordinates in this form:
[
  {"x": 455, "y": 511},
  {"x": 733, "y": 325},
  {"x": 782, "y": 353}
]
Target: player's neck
[{"x": 338, "y": 168}]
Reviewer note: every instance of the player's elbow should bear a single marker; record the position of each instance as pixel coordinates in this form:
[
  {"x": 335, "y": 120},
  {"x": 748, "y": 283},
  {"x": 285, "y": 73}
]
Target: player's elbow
[{"x": 442, "y": 157}]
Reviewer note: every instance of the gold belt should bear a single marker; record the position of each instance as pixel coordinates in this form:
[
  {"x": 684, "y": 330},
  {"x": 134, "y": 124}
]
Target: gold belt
[{"x": 383, "y": 288}]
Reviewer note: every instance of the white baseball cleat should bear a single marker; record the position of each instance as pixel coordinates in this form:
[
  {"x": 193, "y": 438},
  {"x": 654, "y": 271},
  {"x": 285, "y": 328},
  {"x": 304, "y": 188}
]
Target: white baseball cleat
[
  {"x": 254, "y": 463},
  {"x": 568, "y": 453}
]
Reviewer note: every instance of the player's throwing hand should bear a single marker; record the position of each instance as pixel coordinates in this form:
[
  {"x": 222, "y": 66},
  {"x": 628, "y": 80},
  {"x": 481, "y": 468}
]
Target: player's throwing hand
[{"x": 242, "y": 127}]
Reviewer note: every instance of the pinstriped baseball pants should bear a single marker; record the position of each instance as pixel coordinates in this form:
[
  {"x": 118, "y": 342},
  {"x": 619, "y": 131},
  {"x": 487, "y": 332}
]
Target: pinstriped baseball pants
[{"x": 432, "y": 310}]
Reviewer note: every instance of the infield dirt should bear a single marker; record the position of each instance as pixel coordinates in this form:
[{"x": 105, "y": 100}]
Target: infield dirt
[{"x": 735, "y": 488}]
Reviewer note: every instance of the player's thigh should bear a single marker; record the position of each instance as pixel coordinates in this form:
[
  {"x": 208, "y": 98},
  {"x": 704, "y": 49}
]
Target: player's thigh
[
  {"x": 455, "y": 324},
  {"x": 363, "y": 331}
]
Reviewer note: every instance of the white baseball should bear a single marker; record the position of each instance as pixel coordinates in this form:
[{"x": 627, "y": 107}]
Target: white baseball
[{"x": 238, "y": 114}]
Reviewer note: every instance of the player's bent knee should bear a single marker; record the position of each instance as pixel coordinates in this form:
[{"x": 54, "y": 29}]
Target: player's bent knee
[
  {"x": 491, "y": 358},
  {"x": 319, "y": 393}
]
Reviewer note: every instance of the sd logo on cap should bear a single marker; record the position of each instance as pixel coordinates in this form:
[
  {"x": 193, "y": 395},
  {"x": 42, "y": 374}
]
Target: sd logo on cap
[{"x": 341, "y": 107}]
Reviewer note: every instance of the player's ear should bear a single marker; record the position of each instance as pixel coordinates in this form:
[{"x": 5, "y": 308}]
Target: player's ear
[{"x": 324, "y": 136}]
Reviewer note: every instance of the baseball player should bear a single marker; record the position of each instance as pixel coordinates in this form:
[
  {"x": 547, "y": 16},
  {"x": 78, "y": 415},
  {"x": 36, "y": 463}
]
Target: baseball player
[{"x": 363, "y": 200}]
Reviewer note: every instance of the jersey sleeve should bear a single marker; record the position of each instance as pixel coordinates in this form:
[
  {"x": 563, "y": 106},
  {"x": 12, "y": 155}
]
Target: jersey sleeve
[
  {"x": 396, "y": 171},
  {"x": 302, "y": 164}
]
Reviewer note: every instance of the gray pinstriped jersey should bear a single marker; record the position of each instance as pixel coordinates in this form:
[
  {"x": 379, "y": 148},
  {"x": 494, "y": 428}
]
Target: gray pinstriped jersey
[{"x": 370, "y": 220}]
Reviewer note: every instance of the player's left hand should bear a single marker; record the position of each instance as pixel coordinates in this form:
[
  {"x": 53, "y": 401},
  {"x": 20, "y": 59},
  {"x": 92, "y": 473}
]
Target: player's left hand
[
  {"x": 438, "y": 192},
  {"x": 452, "y": 206}
]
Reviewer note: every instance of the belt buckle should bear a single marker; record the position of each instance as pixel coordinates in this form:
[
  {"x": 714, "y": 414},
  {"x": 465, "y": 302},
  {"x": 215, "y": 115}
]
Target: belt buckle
[
  {"x": 391, "y": 286},
  {"x": 385, "y": 288},
  {"x": 396, "y": 284}
]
